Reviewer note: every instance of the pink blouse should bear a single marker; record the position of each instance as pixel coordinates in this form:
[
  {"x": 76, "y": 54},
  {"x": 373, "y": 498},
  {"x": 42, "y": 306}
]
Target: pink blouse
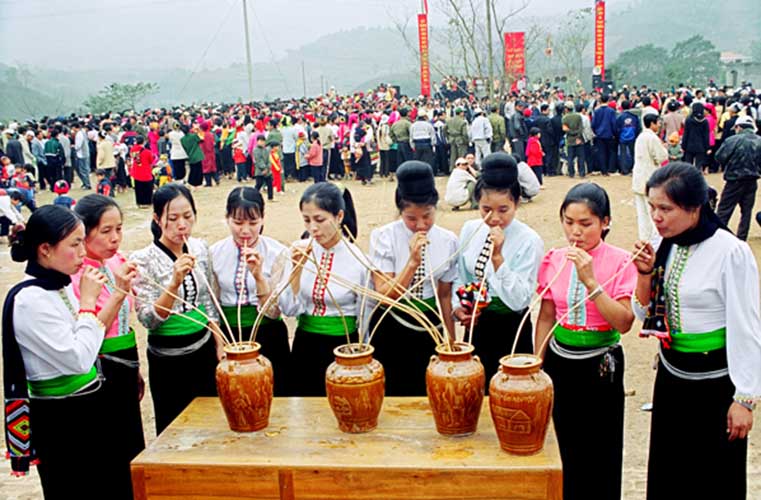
[
  {"x": 112, "y": 264},
  {"x": 607, "y": 260}
]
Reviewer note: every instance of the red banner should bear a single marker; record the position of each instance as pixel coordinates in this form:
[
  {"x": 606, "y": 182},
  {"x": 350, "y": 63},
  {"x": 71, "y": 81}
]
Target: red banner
[
  {"x": 515, "y": 55},
  {"x": 600, "y": 39},
  {"x": 425, "y": 69}
]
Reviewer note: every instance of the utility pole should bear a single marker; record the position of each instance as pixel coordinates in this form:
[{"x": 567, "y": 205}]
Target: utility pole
[
  {"x": 490, "y": 85},
  {"x": 248, "y": 54},
  {"x": 304, "y": 78}
]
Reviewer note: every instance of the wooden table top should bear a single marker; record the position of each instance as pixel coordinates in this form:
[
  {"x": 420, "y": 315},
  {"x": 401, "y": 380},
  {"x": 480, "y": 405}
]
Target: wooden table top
[{"x": 303, "y": 434}]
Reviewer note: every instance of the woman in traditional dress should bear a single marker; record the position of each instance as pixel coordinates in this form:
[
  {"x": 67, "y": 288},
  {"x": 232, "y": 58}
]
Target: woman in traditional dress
[
  {"x": 182, "y": 355},
  {"x": 243, "y": 264},
  {"x": 326, "y": 310},
  {"x": 404, "y": 253},
  {"x": 507, "y": 253},
  {"x": 123, "y": 386},
  {"x": 698, "y": 292},
  {"x": 585, "y": 358},
  {"x": 51, "y": 341}
]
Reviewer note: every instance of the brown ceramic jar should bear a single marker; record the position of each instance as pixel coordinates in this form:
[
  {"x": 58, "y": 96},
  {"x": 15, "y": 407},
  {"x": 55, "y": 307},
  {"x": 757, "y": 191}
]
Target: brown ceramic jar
[
  {"x": 355, "y": 384},
  {"x": 520, "y": 399},
  {"x": 455, "y": 382},
  {"x": 244, "y": 385}
]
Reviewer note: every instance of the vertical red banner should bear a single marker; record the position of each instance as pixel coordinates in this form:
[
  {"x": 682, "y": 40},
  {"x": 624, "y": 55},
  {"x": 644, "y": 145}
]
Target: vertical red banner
[
  {"x": 515, "y": 54},
  {"x": 600, "y": 38},
  {"x": 425, "y": 69}
]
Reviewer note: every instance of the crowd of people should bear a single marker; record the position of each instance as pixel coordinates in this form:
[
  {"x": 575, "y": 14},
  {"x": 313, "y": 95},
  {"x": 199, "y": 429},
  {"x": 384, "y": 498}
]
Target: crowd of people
[{"x": 70, "y": 353}]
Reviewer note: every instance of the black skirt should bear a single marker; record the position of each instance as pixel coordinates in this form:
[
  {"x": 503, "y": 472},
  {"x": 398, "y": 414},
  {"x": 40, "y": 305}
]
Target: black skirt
[
  {"x": 195, "y": 177},
  {"x": 493, "y": 338},
  {"x": 311, "y": 355},
  {"x": 176, "y": 380},
  {"x": 121, "y": 395},
  {"x": 588, "y": 414},
  {"x": 273, "y": 338},
  {"x": 143, "y": 193},
  {"x": 403, "y": 352},
  {"x": 71, "y": 437},
  {"x": 690, "y": 454}
]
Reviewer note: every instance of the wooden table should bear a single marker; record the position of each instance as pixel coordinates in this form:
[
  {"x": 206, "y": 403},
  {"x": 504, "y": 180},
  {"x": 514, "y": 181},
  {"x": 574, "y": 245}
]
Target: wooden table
[{"x": 303, "y": 455}]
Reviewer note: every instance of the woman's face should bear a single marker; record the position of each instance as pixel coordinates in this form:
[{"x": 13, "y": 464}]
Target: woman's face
[
  {"x": 501, "y": 206},
  {"x": 582, "y": 228},
  {"x": 322, "y": 225},
  {"x": 419, "y": 218},
  {"x": 67, "y": 255},
  {"x": 177, "y": 221},
  {"x": 669, "y": 218},
  {"x": 102, "y": 242},
  {"x": 244, "y": 229}
]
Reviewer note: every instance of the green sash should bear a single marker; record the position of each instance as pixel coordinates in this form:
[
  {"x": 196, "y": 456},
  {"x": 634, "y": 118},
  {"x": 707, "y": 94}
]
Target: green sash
[
  {"x": 497, "y": 306},
  {"x": 420, "y": 304},
  {"x": 586, "y": 338},
  {"x": 327, "y": 325},
  {"x": 61, "y": 386},
  {"x": 248, "y": 316},
  {"x": 699, "y": 342},
  {"x": 178, "y": 325},
  {"x": 119, "y": 343}
]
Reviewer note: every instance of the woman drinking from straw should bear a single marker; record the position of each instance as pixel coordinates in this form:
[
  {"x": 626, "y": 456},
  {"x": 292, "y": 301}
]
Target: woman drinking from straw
[
  {"x": 51, "y": 341},
  {"x": 404, "y": 253},
  {"x": 123, "y": 386},
  {"x": 499, "y": 261},
  {"x": 327, "y": 311},
  {"x": 594, "y": 281},
  {"x": 174, "y": 273},
  {"x": 242, "y": 264},
  {"x": 698, "y": 293}
]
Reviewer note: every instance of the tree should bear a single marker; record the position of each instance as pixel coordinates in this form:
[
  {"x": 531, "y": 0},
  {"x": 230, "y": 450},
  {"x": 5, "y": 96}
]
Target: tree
[
  {"x": 120, "y": 96},
  {"x": 693, "y": 61},
  {"x": 755, "y": 51},
  {"x": 642, "y": 65},
  {"x": 572, "y": 41}
]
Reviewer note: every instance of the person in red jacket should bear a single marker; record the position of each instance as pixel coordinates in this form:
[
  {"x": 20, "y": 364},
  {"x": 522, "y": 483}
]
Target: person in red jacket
[
  {"x": 141, "y": 172},
  {"x": 534, "y": 153},
  {"x": 209, "y": 164}
]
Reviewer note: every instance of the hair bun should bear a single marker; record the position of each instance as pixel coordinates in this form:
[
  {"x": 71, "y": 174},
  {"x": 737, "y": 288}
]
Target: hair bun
[
  {"x": 499, "y": 170},
  {"x": 415, "y": 181},
  {"x": 19, "y": 249}
]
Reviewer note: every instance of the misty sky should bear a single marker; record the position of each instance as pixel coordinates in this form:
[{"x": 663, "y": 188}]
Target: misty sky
[{"x": 90, "y": 34}]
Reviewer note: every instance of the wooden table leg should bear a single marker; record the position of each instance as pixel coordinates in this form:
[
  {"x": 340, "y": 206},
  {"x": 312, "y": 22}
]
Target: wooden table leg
[
  {"x": 138, "y": 483},
  {"x": 285, "y": 478}
]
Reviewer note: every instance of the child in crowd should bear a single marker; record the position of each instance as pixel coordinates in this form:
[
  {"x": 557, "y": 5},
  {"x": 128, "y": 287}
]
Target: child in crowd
[
  {"x": 23, "y": 179},
  {"x": 302, "y": 149},
  {"x": 104, "y": 183},
  {"x": 61, "y": 189},
  {"x": 674, "y": 148},
  {"x": 346, "y": 158},
  {"x": 239, "y": 158},
  {"x": 6, "y": 171},
  {"x": 534, "y": 154},
  {"x": 121, "y": 181},
  {"x": 162, "y": 172},
  {"x": 277, "y": 168}
]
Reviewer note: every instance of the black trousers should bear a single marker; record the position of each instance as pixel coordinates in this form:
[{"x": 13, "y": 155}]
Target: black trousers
[
  {"x": 740, "y": 192},
  {"x": 550, "y": 159},
  {"x": 442, "y": 160},
  {"x": 404, "y": 151},
  {"x": 385, "y": 162},
  {"x": 606, "y": 155},
  {"x": 264, "y": 180},
  {"x": 576, "y": 152},
  {"x": 424, "y": 153},
  {"x": 178, "y": 170},
  {"x": 697, "y": 159},
  {"x": 289, "y": 164}
]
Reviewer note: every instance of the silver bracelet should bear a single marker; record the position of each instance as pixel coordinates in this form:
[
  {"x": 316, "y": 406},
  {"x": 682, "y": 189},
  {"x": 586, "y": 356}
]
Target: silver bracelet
[{"x": 595, "y": 293}]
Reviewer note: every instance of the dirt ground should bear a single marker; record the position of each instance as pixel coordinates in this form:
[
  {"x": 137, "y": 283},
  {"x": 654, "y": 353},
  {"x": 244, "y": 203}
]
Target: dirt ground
[{"x": 375, "y": 207}]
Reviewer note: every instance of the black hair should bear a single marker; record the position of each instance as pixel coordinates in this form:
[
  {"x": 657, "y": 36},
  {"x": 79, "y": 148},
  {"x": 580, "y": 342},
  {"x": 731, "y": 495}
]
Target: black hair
[
  {"x": 649, "y": 119},
  {"x": 415, "y": 185},
  {"x": 683, "y": 183},
  {"x": 139, "y": 139},
  {"x": 534, "y": 131},
  {"x": 16, "y": 196},
  {"x": 327, "y": 196},
  {"x": 499, "y": 173},
  {"x": 162, "y": 197},
  {"x": 49, "y": 224},
  {"x": 101, "y": 172},
  {"x": 593, "y": 196},
  {"x": 245, "y": 201},
  {"x": 92, "y": 207},
  {"x": 646, "y": 101},
  {"x": 315, "y": 136}
]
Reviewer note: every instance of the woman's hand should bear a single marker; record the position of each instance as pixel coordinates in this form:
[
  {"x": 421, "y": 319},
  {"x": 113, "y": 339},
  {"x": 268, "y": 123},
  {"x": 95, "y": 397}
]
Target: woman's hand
[
  {"x": 417, "y": 243},
  {"x": 465, "y": 316},
  {"x": 497, "y": 238},
  {"x": 182, "y": 267},
  {"x": 253, "y": 262},
  {"x": 124, "y": 275},
  {"x": 645, "y": 260},
  {"x": 300, "y": 251},
  {"x": 90, "y": 286},
  {"x": 584, "y": 268},
  {"x": 739, "y": 421}
]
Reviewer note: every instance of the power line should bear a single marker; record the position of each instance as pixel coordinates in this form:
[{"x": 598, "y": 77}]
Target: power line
[{"x": 272, "y": 53}]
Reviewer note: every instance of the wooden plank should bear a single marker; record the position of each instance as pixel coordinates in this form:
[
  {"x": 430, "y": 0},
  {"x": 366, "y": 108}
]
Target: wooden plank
[
  {"x": 285, "y": 480},
  {"x": 138, "y": 482},
  {"x": 211, "y": 482}
]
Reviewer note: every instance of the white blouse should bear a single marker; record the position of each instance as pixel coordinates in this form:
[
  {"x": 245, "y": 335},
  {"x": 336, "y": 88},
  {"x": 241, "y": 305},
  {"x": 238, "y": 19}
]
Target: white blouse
[
  {"x": 719, "y": 288},
  {"x": 313, "y": 299},
  {"x": 53, "y": 340},
  {"x": 229, "y": 270},
  {"x": 390, "y": 251},
  {"x": 515, "y": 280}
]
